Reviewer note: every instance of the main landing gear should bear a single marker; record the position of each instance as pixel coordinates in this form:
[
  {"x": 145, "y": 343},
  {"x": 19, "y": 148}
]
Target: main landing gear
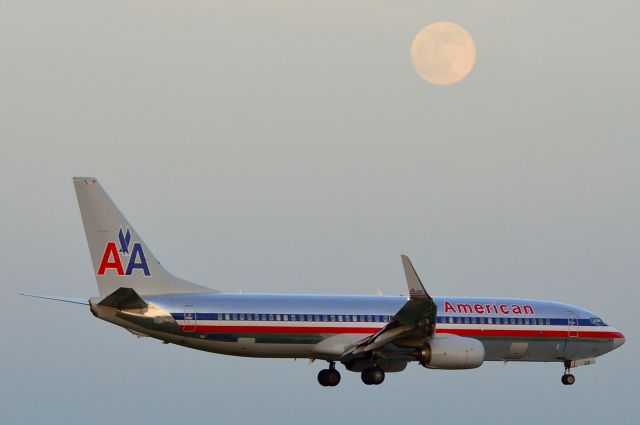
[
  {"x": 329, "y": 377},
  {"x": 568, "y": 378},
  {"x": 373, "y": 376}
]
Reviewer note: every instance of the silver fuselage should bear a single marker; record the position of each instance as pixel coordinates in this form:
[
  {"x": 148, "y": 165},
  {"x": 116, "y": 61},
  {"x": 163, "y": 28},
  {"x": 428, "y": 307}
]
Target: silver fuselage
[{"x": 295, "y": 326}]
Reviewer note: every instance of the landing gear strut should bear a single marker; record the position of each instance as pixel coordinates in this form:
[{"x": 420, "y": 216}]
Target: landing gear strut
[
  {"x": 568, "y": 378},
  {"x": 373, "y": 376},
  {"x": 329, "y": 377}
]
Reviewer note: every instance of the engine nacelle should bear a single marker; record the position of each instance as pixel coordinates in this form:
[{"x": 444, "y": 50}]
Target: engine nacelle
[{"x": 446, "y": 351}]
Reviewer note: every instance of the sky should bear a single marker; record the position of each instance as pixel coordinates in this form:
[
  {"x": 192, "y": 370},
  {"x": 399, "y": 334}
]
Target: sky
[{"x": 286, "y": 147}]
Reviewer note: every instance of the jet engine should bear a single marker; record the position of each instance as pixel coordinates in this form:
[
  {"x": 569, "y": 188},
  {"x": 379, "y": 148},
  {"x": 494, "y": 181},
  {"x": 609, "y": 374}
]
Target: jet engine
[{"x": 452, "y": 352}]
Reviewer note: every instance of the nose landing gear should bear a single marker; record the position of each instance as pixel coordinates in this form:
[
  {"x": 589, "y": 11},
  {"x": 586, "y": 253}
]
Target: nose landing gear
[
  {"x": 568, "y": 378},
  {"x": 329, "y": 377}
]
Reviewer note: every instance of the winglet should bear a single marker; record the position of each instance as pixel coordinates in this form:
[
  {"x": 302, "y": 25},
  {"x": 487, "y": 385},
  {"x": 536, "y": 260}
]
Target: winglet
[{"x": 416, "y": 290}]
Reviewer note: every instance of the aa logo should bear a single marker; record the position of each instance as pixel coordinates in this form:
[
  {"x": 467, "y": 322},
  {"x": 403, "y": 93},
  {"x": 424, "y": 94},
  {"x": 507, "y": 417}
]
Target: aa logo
[{"x": 112, "y": 258}]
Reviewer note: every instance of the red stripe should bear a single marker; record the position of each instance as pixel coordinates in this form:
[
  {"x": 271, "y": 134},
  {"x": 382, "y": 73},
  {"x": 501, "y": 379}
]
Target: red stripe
[
  {"x": 529, "y": 333},
  {"x": 355, "y": 330}
]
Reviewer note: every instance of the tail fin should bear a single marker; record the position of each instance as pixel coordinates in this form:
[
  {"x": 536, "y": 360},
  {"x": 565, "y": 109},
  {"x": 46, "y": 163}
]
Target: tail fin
[{"x": 120, "y": 258}]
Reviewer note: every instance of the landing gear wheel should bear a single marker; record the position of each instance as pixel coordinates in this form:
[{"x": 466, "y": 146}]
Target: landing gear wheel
[
  {"x": 329, "y": 377},
  {"x": 372, "y": 376},
  {"x": 322, "y": 377},
  {"x": 333, "y": 377}
]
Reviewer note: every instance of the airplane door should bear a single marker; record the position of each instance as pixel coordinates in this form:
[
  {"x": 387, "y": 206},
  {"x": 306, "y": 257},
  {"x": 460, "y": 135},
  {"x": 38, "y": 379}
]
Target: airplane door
[
  {"x": 190, "y": 317},
  {"x": 572, "y": 323}
]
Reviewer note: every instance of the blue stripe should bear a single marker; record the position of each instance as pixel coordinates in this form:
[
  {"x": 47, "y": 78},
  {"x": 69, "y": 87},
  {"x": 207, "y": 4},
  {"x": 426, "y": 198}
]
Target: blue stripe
[
  {"x": 377, "y": 318},
  {"x": 269, "y": 317}
]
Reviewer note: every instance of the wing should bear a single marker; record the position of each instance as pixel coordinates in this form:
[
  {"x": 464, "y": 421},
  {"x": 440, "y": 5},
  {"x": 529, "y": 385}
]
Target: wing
[{"x": 410, "y": 326}]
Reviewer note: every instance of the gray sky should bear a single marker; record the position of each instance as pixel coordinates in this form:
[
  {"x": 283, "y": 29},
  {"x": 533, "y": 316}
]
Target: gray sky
[{"x": 286, "y": 147}]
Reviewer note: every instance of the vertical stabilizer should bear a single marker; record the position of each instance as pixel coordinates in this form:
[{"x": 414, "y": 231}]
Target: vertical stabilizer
[{"x": 120, "y": 257}]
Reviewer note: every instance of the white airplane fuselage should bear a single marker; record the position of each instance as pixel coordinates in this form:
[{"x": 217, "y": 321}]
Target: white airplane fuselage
[{"x": 295, "y": 326}]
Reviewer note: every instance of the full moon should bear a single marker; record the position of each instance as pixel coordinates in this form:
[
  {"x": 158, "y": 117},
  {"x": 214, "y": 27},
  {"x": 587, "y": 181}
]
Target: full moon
[{"x": 443, "y": 53}]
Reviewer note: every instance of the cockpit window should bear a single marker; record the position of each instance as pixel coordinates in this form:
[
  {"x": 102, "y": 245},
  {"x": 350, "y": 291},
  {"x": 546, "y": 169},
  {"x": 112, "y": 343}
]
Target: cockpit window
[{"x": 597, "y": 321}]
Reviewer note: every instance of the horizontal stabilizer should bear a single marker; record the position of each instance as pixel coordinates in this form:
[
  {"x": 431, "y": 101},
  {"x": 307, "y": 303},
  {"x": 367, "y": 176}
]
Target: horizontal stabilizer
[
  {"x": 64, "y": 299},
  {"x": 124, "y": 298}
]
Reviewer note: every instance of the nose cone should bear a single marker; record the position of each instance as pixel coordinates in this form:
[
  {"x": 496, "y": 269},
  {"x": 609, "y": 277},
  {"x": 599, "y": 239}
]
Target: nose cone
[{"x": 618, "y": 341}]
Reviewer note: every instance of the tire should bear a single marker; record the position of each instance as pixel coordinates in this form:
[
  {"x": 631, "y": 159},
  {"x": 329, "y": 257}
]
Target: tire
[
  {"x": 322, "y": 377},
  {"x": 365, "y": 376},
  {"x": 373, "y": 376},
  {"x": 377, "y": 376},
  {"x": 569, "y": 379},
  {"x": 332, "y": 378}
]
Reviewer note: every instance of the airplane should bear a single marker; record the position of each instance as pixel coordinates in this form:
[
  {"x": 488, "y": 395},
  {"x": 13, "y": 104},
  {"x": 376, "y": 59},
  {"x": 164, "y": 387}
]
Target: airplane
[{"x": 372, "y": 335}]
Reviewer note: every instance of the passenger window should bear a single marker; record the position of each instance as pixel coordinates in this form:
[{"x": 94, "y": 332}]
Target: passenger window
[
  {"x": 489, "y": 320},
  {"x": 340, "y": 318},
  {"x": 271, "y": 317},
  {"x": 220, "y": 316},
  {"x": 548, "y": 321},
  {"x": 241, "y": 316},
  {"x": 519, "y": 321},
  {"x": 466, "y": 320},
  {"x": 277, "y": 317},
  {"x": 227, "y": 317},
  {"x": 347, "y": 318},
  {"x": 458, "y": 320},
  {"x": 526, "y": 321},
  {"x": 369, "y": 319},
  {"x": 325, "y": 318},
  {"x": 450, "y": 319}
]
